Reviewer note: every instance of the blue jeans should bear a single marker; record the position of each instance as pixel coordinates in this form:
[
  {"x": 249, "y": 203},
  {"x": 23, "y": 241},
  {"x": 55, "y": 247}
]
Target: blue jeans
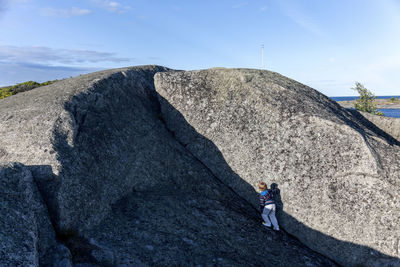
[{"x": 269, "y": 216}]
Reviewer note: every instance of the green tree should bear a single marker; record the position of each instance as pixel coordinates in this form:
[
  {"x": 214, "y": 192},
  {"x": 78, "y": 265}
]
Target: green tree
[{"x": 365, "y": 101}]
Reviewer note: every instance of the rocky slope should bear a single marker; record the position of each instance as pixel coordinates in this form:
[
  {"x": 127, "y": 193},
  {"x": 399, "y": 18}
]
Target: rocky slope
[
  {"x": 387, "y": 124},
  {"x": 338, "y": 174},
  {"x": 104, "y": 177}
]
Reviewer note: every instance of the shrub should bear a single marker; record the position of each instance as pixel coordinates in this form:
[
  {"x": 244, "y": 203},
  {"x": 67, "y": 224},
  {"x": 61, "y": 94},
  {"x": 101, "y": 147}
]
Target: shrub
[
  {"x": 5, "y": 91},
  {"x": 21, "y": 87},
  {"x": 365, "y": 101},
  {"x": 395, "y": 99}
]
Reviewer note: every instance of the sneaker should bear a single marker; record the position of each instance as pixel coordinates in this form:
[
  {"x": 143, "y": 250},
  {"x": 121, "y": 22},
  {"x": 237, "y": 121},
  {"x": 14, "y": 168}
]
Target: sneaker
[
  {"x": 276, "y": 229},
  {"x": 265, "y": 224}
]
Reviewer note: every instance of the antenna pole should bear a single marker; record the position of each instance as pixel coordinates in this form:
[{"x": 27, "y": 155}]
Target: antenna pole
[{"x": 262, "y": 56}]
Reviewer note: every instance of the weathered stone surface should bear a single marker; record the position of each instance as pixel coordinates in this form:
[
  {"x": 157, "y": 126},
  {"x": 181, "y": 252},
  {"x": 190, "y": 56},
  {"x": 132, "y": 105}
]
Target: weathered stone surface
[
  {"x": 26, "y": 235},
  {"x": 387, "y": 124},
  {"x": 121, "y": 190},
  {"x": 89, "y": 133},
  {"x": 339, "y": 178}
]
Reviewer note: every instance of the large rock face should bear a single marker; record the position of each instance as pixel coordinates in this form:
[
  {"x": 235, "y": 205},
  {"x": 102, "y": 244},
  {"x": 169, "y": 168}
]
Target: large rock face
[
  {"x": 120, "y": 189},
  {"x": 339, "y": 178},
  {"x": 86, "y": 138}
]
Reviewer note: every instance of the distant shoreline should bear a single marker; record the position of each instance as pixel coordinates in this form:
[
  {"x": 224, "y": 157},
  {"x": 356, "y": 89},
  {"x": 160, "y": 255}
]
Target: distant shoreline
[{"x": 380, "y": 104}]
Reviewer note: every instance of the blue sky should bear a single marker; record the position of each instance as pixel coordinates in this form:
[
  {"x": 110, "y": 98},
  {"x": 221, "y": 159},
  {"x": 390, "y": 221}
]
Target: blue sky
[{"x": 327, "y": 45}]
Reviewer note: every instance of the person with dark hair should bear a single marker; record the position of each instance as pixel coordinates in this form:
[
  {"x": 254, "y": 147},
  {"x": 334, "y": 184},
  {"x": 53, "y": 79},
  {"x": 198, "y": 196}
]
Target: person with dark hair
[{"x": 267, "y": 206}]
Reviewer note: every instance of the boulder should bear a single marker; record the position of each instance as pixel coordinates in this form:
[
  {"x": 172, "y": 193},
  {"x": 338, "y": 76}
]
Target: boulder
[
  {"x": 122, "y": 190},
  {"x": 339, "y": 177},
  {"x": 26, "y": 235}
]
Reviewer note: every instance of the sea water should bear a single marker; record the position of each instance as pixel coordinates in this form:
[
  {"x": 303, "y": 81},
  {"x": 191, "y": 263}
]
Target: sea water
[
  {"x": 388, "y": 112},
  {"x": 351, "y": 98}
]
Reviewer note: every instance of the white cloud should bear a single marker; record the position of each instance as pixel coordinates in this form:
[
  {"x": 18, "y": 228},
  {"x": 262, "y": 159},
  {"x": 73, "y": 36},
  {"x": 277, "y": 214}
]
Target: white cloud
[
  {"x": 47, "y": 55},
  {"x": 20, "y": 1},
  {"x": 5, "y": 5},
  {"x": 64, "y": 13},
  {"x": 112, "y": 6},
  {"x": 13, "y": 73},
  {"x": 16, "y": 1},
  {"x": 239, "y": 5},
  {"x": 18, "y": 64}
]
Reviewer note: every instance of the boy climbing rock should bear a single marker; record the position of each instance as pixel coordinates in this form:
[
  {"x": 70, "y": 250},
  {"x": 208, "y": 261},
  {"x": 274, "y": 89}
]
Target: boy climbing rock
[{"x": 267, "y": 206}]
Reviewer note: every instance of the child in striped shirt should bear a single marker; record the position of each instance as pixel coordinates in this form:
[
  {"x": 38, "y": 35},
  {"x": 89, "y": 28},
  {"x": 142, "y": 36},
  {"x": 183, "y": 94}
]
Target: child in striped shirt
[{"x": 267, "y": 206}]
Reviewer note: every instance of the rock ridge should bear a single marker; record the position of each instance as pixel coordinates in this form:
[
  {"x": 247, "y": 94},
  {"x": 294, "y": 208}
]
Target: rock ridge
[
  {"x": 120, "y": 189},
  {"x": 135, "y": 170}
]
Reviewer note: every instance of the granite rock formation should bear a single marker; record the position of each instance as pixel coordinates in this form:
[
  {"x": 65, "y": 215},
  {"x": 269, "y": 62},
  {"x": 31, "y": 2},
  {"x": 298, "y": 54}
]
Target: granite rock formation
[
  {"x": 339, "y": 177},
  {"x": 118, "y": 187}
]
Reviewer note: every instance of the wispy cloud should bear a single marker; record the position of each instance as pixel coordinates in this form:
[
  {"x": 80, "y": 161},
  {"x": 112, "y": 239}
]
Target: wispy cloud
[
  {"x": 47, "y": 55},
  {"x": 20, "y": 1},
  {"x": 47, "y": 67},
  {"x": 302, "y": 19},
  {"x": 112, "y": 6},
  {"x": 239, "y": 5},
  {"x": 64, "y": 13},
  {"x": 13, "y": 73}
]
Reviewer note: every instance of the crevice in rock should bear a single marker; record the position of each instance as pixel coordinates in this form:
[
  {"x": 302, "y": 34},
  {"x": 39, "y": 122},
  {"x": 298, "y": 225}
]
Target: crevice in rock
[
  {"x": 78, "y": 121},
  {"x": 81, "y": 249}
]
